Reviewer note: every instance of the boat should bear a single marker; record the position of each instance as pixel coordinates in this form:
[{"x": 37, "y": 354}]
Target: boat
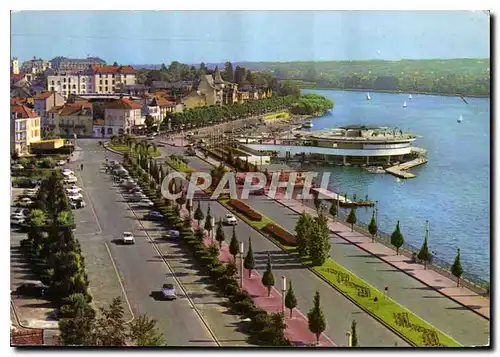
[
  {"x": 307, "y": 125},
  {"x": 404, "y": 105},
  {"x": 409, "y": 97},
  {"x": 375, "y": 170},
  {"x": 460, "y": 119},
  {"x": 368, "y": 96}
]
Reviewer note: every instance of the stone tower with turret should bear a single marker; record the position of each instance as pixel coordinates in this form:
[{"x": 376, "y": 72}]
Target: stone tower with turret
[{"x": 14, "y": 66}]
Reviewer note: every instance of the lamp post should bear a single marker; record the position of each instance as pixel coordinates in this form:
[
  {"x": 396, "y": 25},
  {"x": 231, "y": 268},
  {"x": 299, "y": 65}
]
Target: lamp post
[
  {"x": 283, "y": 293},
  {"x": 212, "y": 233},
  {"x": 376, "y": 216},
  {"x": 349, "y": 339},
  {"x": 242, "y": 250}
]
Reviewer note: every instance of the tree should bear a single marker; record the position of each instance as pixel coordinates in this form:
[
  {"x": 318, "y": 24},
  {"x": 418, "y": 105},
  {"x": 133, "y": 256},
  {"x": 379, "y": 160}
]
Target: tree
[
  {"x": 234, "y": 245},
  {"x": 354, "y": 335},
  {"x": 351, "y": 218},
  {"x": 333, "y": 209},
  {"x": 250, "y": 78},
  {"x": 109, "y": 326},
  {"x": 144, "y": 332},
  {"x": 268, "y": 277},
  {"x": 219, "y": 234},
  {"x": 249, "y": 262},
  {"x": 77, "y": 321},
  {"x": 290, "y": 299},
  {"x": 228, "y": 72},
  {"x": 397, "y": 238},
  {"x": 316, "y": 318},
  {"x": 456, "y": 268},
  {"x": 372, "y": 226},
  {"x": 303, "y": 229},
  {"x": 198, "y": 214},
  {"x": 189, "y": 207},
  {"x": 319, "y": 245},
  {"x": 208, "y": 222},
  {"x": 424, "y": 254},
  {"x": 115, "y": 64},
  {"x": 317, "y": 203},
  {"x": 239, "y": 75},
  {"x": 149, "y": 122}
]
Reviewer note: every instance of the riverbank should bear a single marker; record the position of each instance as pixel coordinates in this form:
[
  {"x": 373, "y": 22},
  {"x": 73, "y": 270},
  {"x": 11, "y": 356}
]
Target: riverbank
[{"x": 400, "y": 92}]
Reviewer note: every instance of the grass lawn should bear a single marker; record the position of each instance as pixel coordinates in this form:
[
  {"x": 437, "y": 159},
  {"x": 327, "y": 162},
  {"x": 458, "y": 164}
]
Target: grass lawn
[
  {"x": 180, "y": 166},
  {"x": 279, "y": 115},
  {"x": 416, "y": 330},
  {"x": 125, "y": 148}
]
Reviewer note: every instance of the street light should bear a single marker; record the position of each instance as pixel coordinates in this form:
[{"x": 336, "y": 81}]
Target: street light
[
  {"x": 283, "y": 291},
  {"x": 376, "y": 216},
  {"x": 242, "y": 250},
  {"x": 349, "y": 339}
]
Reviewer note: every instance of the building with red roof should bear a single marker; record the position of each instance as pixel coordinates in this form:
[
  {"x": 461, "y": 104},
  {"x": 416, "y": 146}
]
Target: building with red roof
[
  {"x": 44, "y": 102},
  {"x": 120, "y": 117},
  {"x": 24, "y": 129}
]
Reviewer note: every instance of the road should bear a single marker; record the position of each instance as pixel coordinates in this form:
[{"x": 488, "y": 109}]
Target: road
[
  {"x": 141, "y": 268},
  {"x": 339, "y": 311}
]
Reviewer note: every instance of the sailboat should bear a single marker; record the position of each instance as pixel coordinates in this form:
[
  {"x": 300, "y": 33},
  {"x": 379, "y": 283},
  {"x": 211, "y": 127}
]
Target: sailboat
[
  {"x": 460, "y": 119},
  {"x": 409, "y": 97},
  {"x": 404, "y": 105},
  {"x": 368, "y": 96}
]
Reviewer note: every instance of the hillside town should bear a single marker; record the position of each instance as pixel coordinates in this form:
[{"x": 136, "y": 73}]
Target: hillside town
[{"x": 70, "y": 97}]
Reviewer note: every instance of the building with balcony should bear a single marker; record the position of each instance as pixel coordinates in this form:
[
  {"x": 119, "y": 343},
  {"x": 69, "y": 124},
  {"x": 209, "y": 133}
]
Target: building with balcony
[
  {"x": 110, "y": 79},
  {"x": 71, "y": 119},
  {"x": 35, "y": 66},
  {"x": 121, "y": 116},
  {"x": 67, "y": 83},
  {"x": 75, "y": 64},
  {"x": 45, "y": 101},
  {"x": 24, "y": 128}
]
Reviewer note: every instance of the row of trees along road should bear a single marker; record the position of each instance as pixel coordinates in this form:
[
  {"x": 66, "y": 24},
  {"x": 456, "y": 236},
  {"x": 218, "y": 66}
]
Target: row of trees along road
[{"x": 55, "y": 256}]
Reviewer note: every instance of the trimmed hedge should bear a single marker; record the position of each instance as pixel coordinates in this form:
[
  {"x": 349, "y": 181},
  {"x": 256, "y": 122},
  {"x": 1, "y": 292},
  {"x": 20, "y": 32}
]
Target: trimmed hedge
[
  {"x": 278, "y": 232},
  {"x": 246, "y": 210}
]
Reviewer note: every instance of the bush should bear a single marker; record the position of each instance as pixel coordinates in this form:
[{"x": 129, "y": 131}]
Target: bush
[
  {"x": 260, "y": 320},
  {"x": 217, "y": 271},
  {"x": 246, "y": 210},
  {"x": 231, "y": 288},
  {"x": 243, "y": 306},
  {"x": 278, "y": 232}
]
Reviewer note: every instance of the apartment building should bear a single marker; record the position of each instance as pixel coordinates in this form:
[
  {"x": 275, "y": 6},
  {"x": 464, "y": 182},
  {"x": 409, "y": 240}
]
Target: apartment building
[
  {"x": 66, "y": 83},
  {"x": 110, "y": 79},
  {"x": 72, "y": 119},
  {"x": 35, "y": 66},
  {"x": 75, "y": 64},
  {"x": 24, "y": 129},
  {"x": 45, "y": 101},
  {"x": 121, "y": 115}
]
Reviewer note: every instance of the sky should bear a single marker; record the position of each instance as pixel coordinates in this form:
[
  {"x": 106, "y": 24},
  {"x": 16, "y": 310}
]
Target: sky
[{"x": 153, "y": 37}]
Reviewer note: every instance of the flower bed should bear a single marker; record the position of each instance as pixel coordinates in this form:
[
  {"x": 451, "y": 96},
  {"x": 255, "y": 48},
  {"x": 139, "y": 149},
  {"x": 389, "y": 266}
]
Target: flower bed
[
  {"x": 246, "y": 210},
  {"x": 280, "y": 233}
]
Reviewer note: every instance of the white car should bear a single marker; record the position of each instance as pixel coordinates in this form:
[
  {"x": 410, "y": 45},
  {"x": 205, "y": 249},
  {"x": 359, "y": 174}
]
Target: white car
[
  {"x": 17, "y": 167},
  {"x": 70, "y": 180},
  {"x": 31, "y": 192},
  {"x": 230, "y": 220},
  {"x": 77, "y": 204},
  {"x": 25, "y": 201},
  {"x": 60, "y": 162},
  {"x": 73, "y": 188},
  {"x": 75, "y": 196},
  {"x": 67, "y": 172},
  {"x": 17, "y": 219},
  {"x": 73, "y": 192},
  {"x": 128, "y": 238},
  {"x": 168, "y": 292},
  {"x": 146, "y": 203}
]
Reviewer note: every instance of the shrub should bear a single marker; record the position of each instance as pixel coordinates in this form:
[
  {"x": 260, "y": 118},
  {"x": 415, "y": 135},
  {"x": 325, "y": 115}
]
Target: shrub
[
  {"x": 217, "y": 271},
  {"x": 231, "y": 288},
  {"x": 246, "y": 210},
  {"x": 260, "y": 320},
  {"x": 243, "y": 306},
  {"x": 278, "y": 232}
]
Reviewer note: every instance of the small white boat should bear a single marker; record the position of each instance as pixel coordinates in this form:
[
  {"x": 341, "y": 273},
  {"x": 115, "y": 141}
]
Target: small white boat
[
  {"x": 404, "y": 105},
  {"x": 409, "y": 97},
  {"x": 375, "y": 170},
  {"x": 460, "y": 119},
  {"x": 398, "y": 180},
  {"x": 368, "y": 96}
]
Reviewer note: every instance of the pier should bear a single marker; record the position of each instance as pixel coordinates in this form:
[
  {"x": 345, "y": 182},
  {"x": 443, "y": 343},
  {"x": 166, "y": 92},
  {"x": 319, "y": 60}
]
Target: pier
[
  {"x": 401, "y": 169},
  {"x": 343, "y": 201}
]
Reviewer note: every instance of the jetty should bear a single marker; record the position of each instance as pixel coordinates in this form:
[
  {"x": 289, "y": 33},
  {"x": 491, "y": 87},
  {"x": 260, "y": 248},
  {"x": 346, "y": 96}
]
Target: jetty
[
  {"x": 401, "y": 169},
  {"x": 344, "y": 202}
]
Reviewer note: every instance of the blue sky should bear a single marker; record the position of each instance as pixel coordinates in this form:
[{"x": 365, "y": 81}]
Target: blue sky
[{"x": 151, "y": 37}]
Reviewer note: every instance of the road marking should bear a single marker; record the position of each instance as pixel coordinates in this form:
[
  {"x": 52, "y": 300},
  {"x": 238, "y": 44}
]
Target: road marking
[
  {"x": 190, "y": 301},
  {"x": 91, "y": 204},
  {"x": 121, "y": 284}
]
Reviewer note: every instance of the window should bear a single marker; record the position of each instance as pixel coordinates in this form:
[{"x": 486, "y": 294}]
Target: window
[
  {"x": 69, "y": 80},
  {"x": 52, "y": 115},
  {"x": 113, "y": 82},
  {"x": 106, "y": 89},
  {"x": 51, "y": 89},
  {"x": 100, "y": 89},
  {"x": 64, "y": 80},
  {"x": 106, "y": 82},
  {"x": 100, "y": 81},
  {"x": 110, "y": 131},
  {"x": 74, "y": 86},
  {"x": 83, "y": 86},
  {"x": 52, "y": 82},
  {"x": 83, "y": 80},
  {"x": 64, "y": 86}
]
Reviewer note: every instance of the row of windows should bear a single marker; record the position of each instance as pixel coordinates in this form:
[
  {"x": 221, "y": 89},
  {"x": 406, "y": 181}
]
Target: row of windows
[{"x": 69, "y": 81}]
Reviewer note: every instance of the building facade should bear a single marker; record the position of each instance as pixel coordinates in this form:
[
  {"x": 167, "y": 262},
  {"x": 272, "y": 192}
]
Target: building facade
[
  {"x": 24, "y": 129},
  {"x": 44, "y": 102},
  {"x": 75, "y": 64},
  {"x": 67, "y": 83},
  {"x": 14, "y": 66},
  {"x": 121, "y": 116},
  {"x": 35, "y": 66},
  {"x": 216, "y": 90},
  {"x": 71, "y": 119},
  {"x": 110, "y": 79}
]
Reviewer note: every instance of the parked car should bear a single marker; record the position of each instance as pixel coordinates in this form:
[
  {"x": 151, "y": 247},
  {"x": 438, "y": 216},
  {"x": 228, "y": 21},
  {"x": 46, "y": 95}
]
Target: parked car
[
  {"x": 137, "y": 197},
  {"x": 230, "y": 220},
  {"x": 74, "y": 188},
  {"x": 75, "y": 196},
  {"x": 67, "y": 172},
  {"x": 61, "y": 162},
  {"x": 135, "y": 190},
  {"x": 168, "y": 292},
  {"x": 25, "y": 202},
  {"x": 21, "y": 212},
  {"x": 77, "y": 204},
  {"x": 154, "y": 216},
  {"x": 17, "y": 167},
  {"x": 69, "y": 180},
  {"x": 173, "y": 234},
  {"x": 129, "y": 183},
  {"x": 146, "y": 203},
  {"x": 33, "y": 288},
  {"x": 17, "y": 219},
  {"x": 128, "y": 238}
]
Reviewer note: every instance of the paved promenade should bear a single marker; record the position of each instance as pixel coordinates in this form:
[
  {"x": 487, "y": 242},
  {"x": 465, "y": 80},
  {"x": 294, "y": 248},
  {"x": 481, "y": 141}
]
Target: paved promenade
[
  {"x": 297, "y": 329},
  {"x": 429, "y": 277}
]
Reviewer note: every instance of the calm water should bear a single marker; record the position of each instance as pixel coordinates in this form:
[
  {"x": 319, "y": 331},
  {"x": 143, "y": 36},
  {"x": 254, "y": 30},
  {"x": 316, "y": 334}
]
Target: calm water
[{"x": 451, "y": 190}]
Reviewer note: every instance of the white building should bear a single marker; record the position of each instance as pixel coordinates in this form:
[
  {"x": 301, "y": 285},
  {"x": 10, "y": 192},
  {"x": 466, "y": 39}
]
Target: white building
[
  {"x": 120, "y": 117},
  {"x": 67, "y": 83},
  {"x": 24, "y": 128},
  {"x": 14, "y": 66}
]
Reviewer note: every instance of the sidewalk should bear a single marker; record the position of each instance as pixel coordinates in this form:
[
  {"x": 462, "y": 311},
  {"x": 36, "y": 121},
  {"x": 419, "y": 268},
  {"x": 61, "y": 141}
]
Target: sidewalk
[
  {"x": 297, "y": 329},
  {"x": 443, "y": 285},
  {"x": 431, "y": 278}
]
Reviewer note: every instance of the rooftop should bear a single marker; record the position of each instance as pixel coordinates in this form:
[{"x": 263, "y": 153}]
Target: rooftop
[
  {"x": 123, "y": 103},
  {"x": 22, "y": 111}
]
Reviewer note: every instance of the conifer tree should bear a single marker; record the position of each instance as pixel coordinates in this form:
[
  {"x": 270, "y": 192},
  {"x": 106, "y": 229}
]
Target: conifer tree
[
  {"x": 234, "y": 245},
  {"x": 354, "y": 335},
  {"x": 397, "y": 238},
  {"x": 456, "y": 268},
  {"x": 316, "y": 318},
  {"x": 268, "y": 277},
  {"x": 372, "y": 226},
  {"x": 424, "y": 254},
  {"x": 249, "y": 262},
  {"x": 198, "y": 214},
  {"x": 219, "y": 234},
  {"x": 351, "y": 218},
  {"x": 290, "y": 299}
]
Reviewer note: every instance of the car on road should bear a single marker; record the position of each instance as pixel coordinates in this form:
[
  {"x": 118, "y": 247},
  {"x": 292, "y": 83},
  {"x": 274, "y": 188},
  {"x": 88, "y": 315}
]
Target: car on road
[
  {"x": 168, "y": 292},
  {"x": 137, "y": 197},
  {"x": 75, "y": 196},
  {"x": 146, "y": 203},
  {"x": 61, "y": 162},
  {"x": 25, "y": 202},
  {"x": 172, "y": 234},
  {"x": 77, "y": 204},
  {"x": 33, "y": 288},
  {"x": 154, "y": 216},
  {"x": 67, "y": 172},
  {"x": 230, "y": 220},
  {"x": 69, "y": 180},
  {"x": 128, "y": 238},
  {"x": 17, "y": 219},
  {"x": 17, "y": 167}
]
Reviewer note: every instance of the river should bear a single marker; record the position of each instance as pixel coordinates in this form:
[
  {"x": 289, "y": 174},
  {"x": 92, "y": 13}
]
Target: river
[{"x": 452, "y": 190}]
